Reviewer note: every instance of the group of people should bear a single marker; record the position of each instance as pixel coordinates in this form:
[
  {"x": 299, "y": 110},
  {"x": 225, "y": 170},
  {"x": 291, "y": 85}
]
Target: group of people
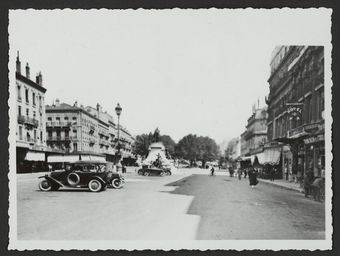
[
  {"x": 119, "y": 167},
  {"x": 252, "y": 174}
]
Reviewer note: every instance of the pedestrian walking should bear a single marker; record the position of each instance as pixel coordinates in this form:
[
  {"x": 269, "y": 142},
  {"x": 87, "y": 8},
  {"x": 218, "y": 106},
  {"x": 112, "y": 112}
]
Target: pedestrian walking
[
  {"x": 239, "y": 173},
  {"x": 245, "y": 172},
  {"x": 252, "y": 174},
  {"x": 123, "y": 169},
  {"x": 231, "y": 171},
  {"x": 212, "y": 170},
  {"x": 316, "y": 188},
  {"x": 307, "y": 182}
]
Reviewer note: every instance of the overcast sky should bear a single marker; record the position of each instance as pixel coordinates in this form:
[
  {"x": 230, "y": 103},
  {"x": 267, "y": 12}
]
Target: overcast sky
[{"x": 184, "y": 71}]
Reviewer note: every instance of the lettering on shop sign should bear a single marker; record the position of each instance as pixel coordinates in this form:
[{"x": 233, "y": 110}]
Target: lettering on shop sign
[
  {"x": 314, "y": 127},
  {"x": 314, "y": 139}
]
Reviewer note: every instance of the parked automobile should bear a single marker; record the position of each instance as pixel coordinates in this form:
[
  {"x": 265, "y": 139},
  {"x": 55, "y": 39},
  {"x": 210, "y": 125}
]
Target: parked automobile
[
  {"x": 154, "y": 171},
  {"x": 82, "y": 174}
]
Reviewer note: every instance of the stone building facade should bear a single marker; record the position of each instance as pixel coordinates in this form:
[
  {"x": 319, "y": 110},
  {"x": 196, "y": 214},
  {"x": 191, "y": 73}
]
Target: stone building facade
[
  {"x": 31, "y": 117},
  {"x": 295, "y": 108},
  {"x": 74, "y": 128},
  {"x": 255, "y": 136}
]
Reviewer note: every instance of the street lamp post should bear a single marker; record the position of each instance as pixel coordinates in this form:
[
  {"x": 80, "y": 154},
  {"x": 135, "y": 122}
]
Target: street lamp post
[{"x": 118, "y": 112}]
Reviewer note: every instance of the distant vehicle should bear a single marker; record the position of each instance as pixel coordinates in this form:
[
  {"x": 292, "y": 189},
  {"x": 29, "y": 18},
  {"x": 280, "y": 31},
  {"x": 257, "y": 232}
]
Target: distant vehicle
[
  {"x": 154, "y": 171},
  {"x": 82, "y": 174}
]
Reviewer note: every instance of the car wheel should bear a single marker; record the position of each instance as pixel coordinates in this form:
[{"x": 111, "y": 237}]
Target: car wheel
[
  {"x": 146, "y": 174},
  {"x": 116, "y": 183},
  {"x": 95, "y": 185},
  {"x": 45, "y": 185}
]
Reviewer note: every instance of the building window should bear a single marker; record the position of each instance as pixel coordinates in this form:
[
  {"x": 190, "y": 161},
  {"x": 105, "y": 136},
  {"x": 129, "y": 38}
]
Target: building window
[
  {"x": 75, "y": 133},
  {"x": 75, "y": 147},
  {"x": 19, "y": 92},
  {"x": 49, "y": 134},
  {"x": 19, "y": 110},
  {"x": 27, "y": 112},
  {"x": 41, "y": 137},
  {"x": 35, "y": 135},
  {"x": 58, "y": 134},
  {"x": 20, "y": 132},
  {"x": 33, "y": 98},
  {"x": 40, "y": 101},
  {"x": 49, "y": 118},
  {"x": 26, "y": 95},
  {"x": 34, "y": 114}
]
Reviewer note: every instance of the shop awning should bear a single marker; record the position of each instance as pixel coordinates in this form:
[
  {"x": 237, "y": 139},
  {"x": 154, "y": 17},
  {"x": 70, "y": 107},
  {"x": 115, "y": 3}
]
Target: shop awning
[
  {"x": 35, "y": 156},
  {"x": 61, "y": 159},
  {"x": 245, "y": 158},
  {"x": 93, "y": 158},
  {"x": 269, "y": 156}
]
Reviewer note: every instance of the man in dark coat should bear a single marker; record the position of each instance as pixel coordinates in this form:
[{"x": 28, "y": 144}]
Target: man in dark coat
[
  {"x": 252, "y": 174},
  {"x": 307, "y": 182}
]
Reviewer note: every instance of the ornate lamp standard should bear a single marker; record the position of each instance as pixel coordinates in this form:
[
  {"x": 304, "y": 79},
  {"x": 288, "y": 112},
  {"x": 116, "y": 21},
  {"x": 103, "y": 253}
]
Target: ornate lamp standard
[{"x": 118, "y": 112}]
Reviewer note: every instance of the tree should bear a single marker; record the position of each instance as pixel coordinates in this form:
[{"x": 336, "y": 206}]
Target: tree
[
  {"x": 169, "y": 144},
  {"x": 142, "y": 144},
  {"x": 193, "y": 148}
]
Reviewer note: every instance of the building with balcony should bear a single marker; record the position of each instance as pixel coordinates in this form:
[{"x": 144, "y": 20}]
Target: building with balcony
[
  {"x": 73, "y": 128},
  {"x": 31, "y": 117},
  {"x": 295, "y": 108}
]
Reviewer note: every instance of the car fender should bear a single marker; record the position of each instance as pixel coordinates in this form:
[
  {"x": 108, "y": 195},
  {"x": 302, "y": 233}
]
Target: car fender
[
  {"x": 99, "y": 178},
  {"x": 52, "y": 180}
]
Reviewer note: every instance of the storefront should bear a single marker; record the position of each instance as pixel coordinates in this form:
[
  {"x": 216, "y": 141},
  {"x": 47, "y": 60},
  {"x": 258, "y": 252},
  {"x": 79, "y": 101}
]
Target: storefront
[
  {"x": 315, "y": 154},
  {"x": 269, "y": 163},
  {"x": 29, "y": 161}
]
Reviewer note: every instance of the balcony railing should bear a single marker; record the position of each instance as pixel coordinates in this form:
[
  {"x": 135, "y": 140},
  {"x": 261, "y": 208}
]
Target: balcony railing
[
  {"x": 59, "y": 138},
  {"x": 28, "y": 121},
  {"x": 58, "y": 124}
]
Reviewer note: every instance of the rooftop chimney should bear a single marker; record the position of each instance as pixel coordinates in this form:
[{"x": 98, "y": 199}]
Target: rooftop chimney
[
  {"x": 18, "y": 70},
  {"x": 27, "y": 71},
  {"x": 98, "y": 110},
  {"x": 38, "y": 78},
  {"x": 75, "y": 104},
  {"x": 57, "y": 102}
]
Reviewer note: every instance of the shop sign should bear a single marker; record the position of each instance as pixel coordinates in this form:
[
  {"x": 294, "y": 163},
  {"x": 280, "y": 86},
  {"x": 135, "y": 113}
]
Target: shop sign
[
  {"x": 294, "y": 110},
  {"x": 314, "y": 139},
  {"x": 296, "y": 131}
]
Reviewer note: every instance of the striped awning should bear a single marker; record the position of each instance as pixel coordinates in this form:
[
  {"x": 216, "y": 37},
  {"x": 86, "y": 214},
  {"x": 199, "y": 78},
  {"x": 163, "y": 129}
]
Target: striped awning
[
  {"x": 35, "y": 156},
  {"x": 269, "y": 156},
  {"x": 62, "y": 159}
]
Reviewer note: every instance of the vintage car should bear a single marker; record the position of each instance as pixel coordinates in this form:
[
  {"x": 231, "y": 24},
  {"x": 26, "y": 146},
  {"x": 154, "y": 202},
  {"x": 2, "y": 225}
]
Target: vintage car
[
  {"x": 155, "y": 171},
  {"x": 82, "y": 174}
]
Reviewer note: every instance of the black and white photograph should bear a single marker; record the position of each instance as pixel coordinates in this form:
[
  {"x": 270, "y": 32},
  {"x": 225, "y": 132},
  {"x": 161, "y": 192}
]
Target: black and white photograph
[{"x": 170, "y": 129}]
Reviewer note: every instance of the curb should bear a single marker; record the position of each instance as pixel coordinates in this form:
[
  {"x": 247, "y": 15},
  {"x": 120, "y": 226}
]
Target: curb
[{"x": 300, "y": 190}]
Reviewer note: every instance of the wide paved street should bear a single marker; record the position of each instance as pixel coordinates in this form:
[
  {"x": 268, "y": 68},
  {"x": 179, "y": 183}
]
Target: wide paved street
[{"x": 188, "y": 205}]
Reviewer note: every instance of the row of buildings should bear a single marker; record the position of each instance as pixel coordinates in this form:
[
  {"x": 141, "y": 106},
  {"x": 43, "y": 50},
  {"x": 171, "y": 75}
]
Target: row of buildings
[
  {"x": 287, "y": 135},
  {"x": 62, "y": 129}
]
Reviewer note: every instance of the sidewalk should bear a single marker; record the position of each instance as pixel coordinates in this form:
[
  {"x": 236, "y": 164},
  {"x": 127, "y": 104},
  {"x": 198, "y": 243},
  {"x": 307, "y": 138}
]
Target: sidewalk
[{"x": 284, "y": 184}]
